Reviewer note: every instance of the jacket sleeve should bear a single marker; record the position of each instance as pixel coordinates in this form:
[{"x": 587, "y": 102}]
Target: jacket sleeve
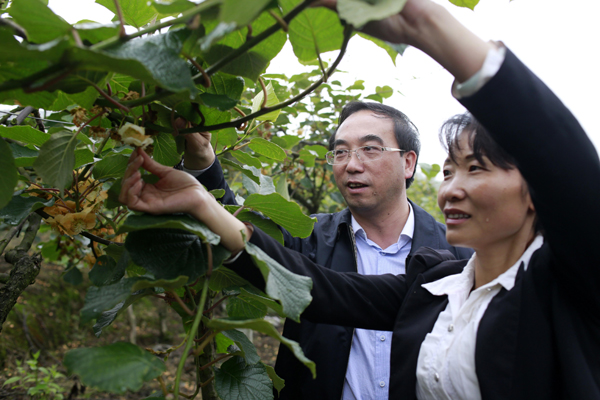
[
  {"x": 558, "y": 161},
  {"x": 348, "y": 299},
  {"x": 213, "y": 178}
]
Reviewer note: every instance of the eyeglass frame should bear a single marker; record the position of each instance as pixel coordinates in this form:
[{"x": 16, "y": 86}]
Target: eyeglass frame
[{"x": 330, "y": 154}]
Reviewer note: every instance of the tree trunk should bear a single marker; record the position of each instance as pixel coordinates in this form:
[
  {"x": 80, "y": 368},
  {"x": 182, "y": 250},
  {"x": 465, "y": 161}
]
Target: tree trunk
[{"x": 209, "y": 391}]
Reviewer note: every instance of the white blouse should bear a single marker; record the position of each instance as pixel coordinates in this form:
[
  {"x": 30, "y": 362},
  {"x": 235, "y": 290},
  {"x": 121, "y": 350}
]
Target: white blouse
[{"x": 446, "y": 364}]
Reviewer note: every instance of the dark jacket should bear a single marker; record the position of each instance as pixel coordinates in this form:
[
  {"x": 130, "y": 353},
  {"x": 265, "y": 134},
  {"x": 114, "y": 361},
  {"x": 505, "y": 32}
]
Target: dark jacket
[
  {"x": 541, "y": 339},
  {"x": 331, "y": 245}
]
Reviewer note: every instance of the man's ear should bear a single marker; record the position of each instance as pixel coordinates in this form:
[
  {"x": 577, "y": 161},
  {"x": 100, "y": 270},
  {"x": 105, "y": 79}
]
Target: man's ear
[{"x": 410, "y": 164}]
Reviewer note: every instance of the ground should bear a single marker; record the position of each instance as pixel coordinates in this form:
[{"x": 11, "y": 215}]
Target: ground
[{"x": 46, "y": 318}]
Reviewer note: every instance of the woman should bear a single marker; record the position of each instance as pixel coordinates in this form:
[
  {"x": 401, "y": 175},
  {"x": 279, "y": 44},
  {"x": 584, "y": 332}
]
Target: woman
[{"x": 521, "y": 320}]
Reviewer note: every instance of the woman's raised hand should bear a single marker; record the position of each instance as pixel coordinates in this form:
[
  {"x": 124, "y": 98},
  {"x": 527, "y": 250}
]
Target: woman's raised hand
[{"x": 175, "y": 191}]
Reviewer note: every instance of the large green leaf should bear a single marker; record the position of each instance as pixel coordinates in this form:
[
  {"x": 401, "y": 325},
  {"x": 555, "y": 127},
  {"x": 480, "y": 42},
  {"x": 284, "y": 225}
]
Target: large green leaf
[
  {"x": 244, "y": 345},
  {"x": 105, "y": 271},
  {"x": 103, "y": 298},
  {"x": 41, "y": 24},
  {"x": 392, "y": 49},
  {"x": 83, "y": 157},
  {"x": 153, "y": 59},
  {"x": 272, "y": 100},
  {"x": 293, "y": 291},
  {"x": 267, "y": 149},
  {"x": 237, "y": 380},
  {"x": 24, "y": 134},
  {"x": 242, "y": 13},
  {"x": 263, "y": 326},
  {"x": 223, "y": 278},
  {"x": 266, "y": 225},
  {"x": 246, "y": 159},
  {"x": 165, "y": 149},
  {"x": 146, "y": 221},
  {"x": 359, "y": 12},
  {"x": 227, "y": 85},
  {"x": 278, "y": 382},
  {"x": 15, "y": 52},
  {"x": 314, "y": 31},
  {"x": 465, "y": 3},
  {"x": 9, "y": 175},
  {"x": 245, "y": 169},
  {"x": 108, "y": 317},
  {"x": 253, "y": 293},
  {"x": 19, "y": 207},
  {"x": 57, "y": 159},
  {"x": 286, "y": 214},
  {"x": 245, "y": 307},
  {"x": 94, "y": 32},
  {"x": 111, "y": 167},
  {"x": 136, "y": 13},
  {"x": 168, "y": 253},
  {"x": 115, "y": 368}
]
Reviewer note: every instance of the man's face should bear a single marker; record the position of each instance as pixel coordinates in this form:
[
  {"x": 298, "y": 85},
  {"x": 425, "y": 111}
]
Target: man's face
[{"x": 376, "y": 186}]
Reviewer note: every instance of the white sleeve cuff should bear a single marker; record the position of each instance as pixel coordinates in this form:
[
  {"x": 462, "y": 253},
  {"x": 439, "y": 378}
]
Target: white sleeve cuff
[
  {"x": 491, "y": 65},
  {"x": 196, "y": 172}
]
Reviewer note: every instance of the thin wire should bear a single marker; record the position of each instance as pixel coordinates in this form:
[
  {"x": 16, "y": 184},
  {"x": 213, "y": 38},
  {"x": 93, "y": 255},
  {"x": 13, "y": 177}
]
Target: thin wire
[{"x": 43, "y": 119}]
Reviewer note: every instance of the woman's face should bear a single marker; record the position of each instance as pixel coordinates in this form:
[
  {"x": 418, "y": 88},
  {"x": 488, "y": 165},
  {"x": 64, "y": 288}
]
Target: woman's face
[{"x": 483, "y": 204}]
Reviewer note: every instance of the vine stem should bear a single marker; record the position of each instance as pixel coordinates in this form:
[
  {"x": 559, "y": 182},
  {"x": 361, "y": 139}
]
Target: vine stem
[{"x": 190, "y": 341}]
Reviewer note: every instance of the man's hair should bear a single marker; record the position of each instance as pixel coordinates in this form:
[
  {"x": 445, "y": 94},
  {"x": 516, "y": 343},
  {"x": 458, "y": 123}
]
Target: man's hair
[
  {"x": 406, "y": 133},
  {"x": 481, "y": 143}
]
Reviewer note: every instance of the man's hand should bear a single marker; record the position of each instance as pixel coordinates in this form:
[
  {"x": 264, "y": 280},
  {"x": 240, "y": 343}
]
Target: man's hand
[
  {"x": 175, "y": 191},
  {"x": 198, "y": 151}
]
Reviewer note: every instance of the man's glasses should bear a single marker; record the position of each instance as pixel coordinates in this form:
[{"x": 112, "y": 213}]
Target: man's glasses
[{"x": 364, "y": 154}]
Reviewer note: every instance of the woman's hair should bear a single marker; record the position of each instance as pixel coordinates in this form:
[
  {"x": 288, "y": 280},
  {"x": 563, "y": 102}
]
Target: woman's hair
[
  {"x": 479, "y": 140},
  {"x": 481, "y": 143}
]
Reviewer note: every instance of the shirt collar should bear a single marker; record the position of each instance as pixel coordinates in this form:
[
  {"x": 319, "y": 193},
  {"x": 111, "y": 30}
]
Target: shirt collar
[
  {"x": 406, "y": 234},
  {"x": 465, "y": 280}
]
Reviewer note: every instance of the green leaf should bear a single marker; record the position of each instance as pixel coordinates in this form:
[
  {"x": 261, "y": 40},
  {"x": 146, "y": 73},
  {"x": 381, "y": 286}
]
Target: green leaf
[
  {"x": 237, "y": 380},
  {"x": 244, "y": 344},
  {"x": 359, "y": 12},
  {"x": 94, "y": 32},
  {"x": 272, "y": 100},
  {"x": 165, "y": 149},
  {"x": 24, "y": 134},
  {"x": 219, "y": 101},
  {"x": 263, "y": 326},
  {"x": 111, "y": 167},
  {"x": 265, "y": 187},
  {"x": 246, "y": 170},
  {"x": 267, "y": 149},
  {"x": 172, "y": 7},
  {"x": 465, "y": 3},
  {"x": 227, "y": 85},
  {"x": 278, "y": 383},
  {"x": 146, "y": 221},
  {"x": 244, "y": 308},
  {"x": 246, "y": 159},
  {"x": 106, "y": 271},
  {"x": 251, "y": 292},
  {"x": 73, "y": 276},
  {"x": 57, "y": 159},
  {"x": 217, "y": 193},
  {"x": 115, "y": 368},
  {"x": 392, "y": 49},
  {"x": 242, "y": 13},
  {"x": 223, "y": 278},
  {"x": 293, "y": 291},
  {"x": 136, "y": 13},
  {"x": 168, "y": 253},
  {"x": 41, "y": 24},
  {"x": 285, "y": 213},
  {"x": 167, "y": 284},
  {"x": 103, "y": 298},
  {"x": 9, "y": 175},
  {"x": 223, "y": 343},
  {"x": 314, "y": 31},
  {"x": 19, "y": 208},
  {"x": 83, "y": 157},
  {"x": 152, "y": 59},
  {"x": 108, "y": 317}
]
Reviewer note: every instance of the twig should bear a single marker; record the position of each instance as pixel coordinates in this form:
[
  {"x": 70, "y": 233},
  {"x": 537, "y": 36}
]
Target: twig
[
  {"x": 19, "y": 31},
  {"x": 87, "y": 168},
  {"x": 163, "y": 387},
  {"x": 216, "y": 360},
  {"x": 181, "y": 303},
  {"x": 195, "y": 63},
  {"x": 321, "y": 64},
  {"x": 209, "y": 380},
  {"x": 90, "y": 120},
  {"x": 209, "y": 260},
  {"x": 264, "y": 89},
  {"x": 39, "y": 121},
  {"x": 10, "y": 235},
  {"x": 76, "y": 37},
  {"x": 279, "y": 20},
  {"x": 222, "y": 299},
  {"x": 23, "y": 114},
  {"x": 107, "y": 97},
  {"x": 190, "y": 341},
  {"x": 122, "y": 32},
  {"x": 189, "y": 293}
]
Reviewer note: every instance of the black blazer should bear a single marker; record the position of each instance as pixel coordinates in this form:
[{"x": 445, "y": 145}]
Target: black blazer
[{"x": 541, "y": 339}]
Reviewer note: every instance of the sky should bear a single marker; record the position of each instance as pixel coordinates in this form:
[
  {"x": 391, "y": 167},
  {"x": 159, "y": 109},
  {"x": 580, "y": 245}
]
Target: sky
[{"x": 557, "y": 39}]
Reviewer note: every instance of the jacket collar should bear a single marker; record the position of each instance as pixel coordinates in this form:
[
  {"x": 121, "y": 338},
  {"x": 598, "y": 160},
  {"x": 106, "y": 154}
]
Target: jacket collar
[{"x": 425, "y": 233}]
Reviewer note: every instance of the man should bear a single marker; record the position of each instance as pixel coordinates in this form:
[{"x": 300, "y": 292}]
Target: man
[{"x": 374, "y": 154}]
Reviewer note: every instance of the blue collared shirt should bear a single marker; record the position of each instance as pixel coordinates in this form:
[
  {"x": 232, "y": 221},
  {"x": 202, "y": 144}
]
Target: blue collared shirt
[{"x": 368, "y": 373}]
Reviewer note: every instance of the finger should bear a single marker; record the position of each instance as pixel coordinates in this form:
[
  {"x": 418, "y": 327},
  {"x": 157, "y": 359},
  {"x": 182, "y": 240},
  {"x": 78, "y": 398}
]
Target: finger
[
  {"x": 134, "y": 164},
  {"x": 126, "y": 185},
  {"x": 152, "y": 166}
]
